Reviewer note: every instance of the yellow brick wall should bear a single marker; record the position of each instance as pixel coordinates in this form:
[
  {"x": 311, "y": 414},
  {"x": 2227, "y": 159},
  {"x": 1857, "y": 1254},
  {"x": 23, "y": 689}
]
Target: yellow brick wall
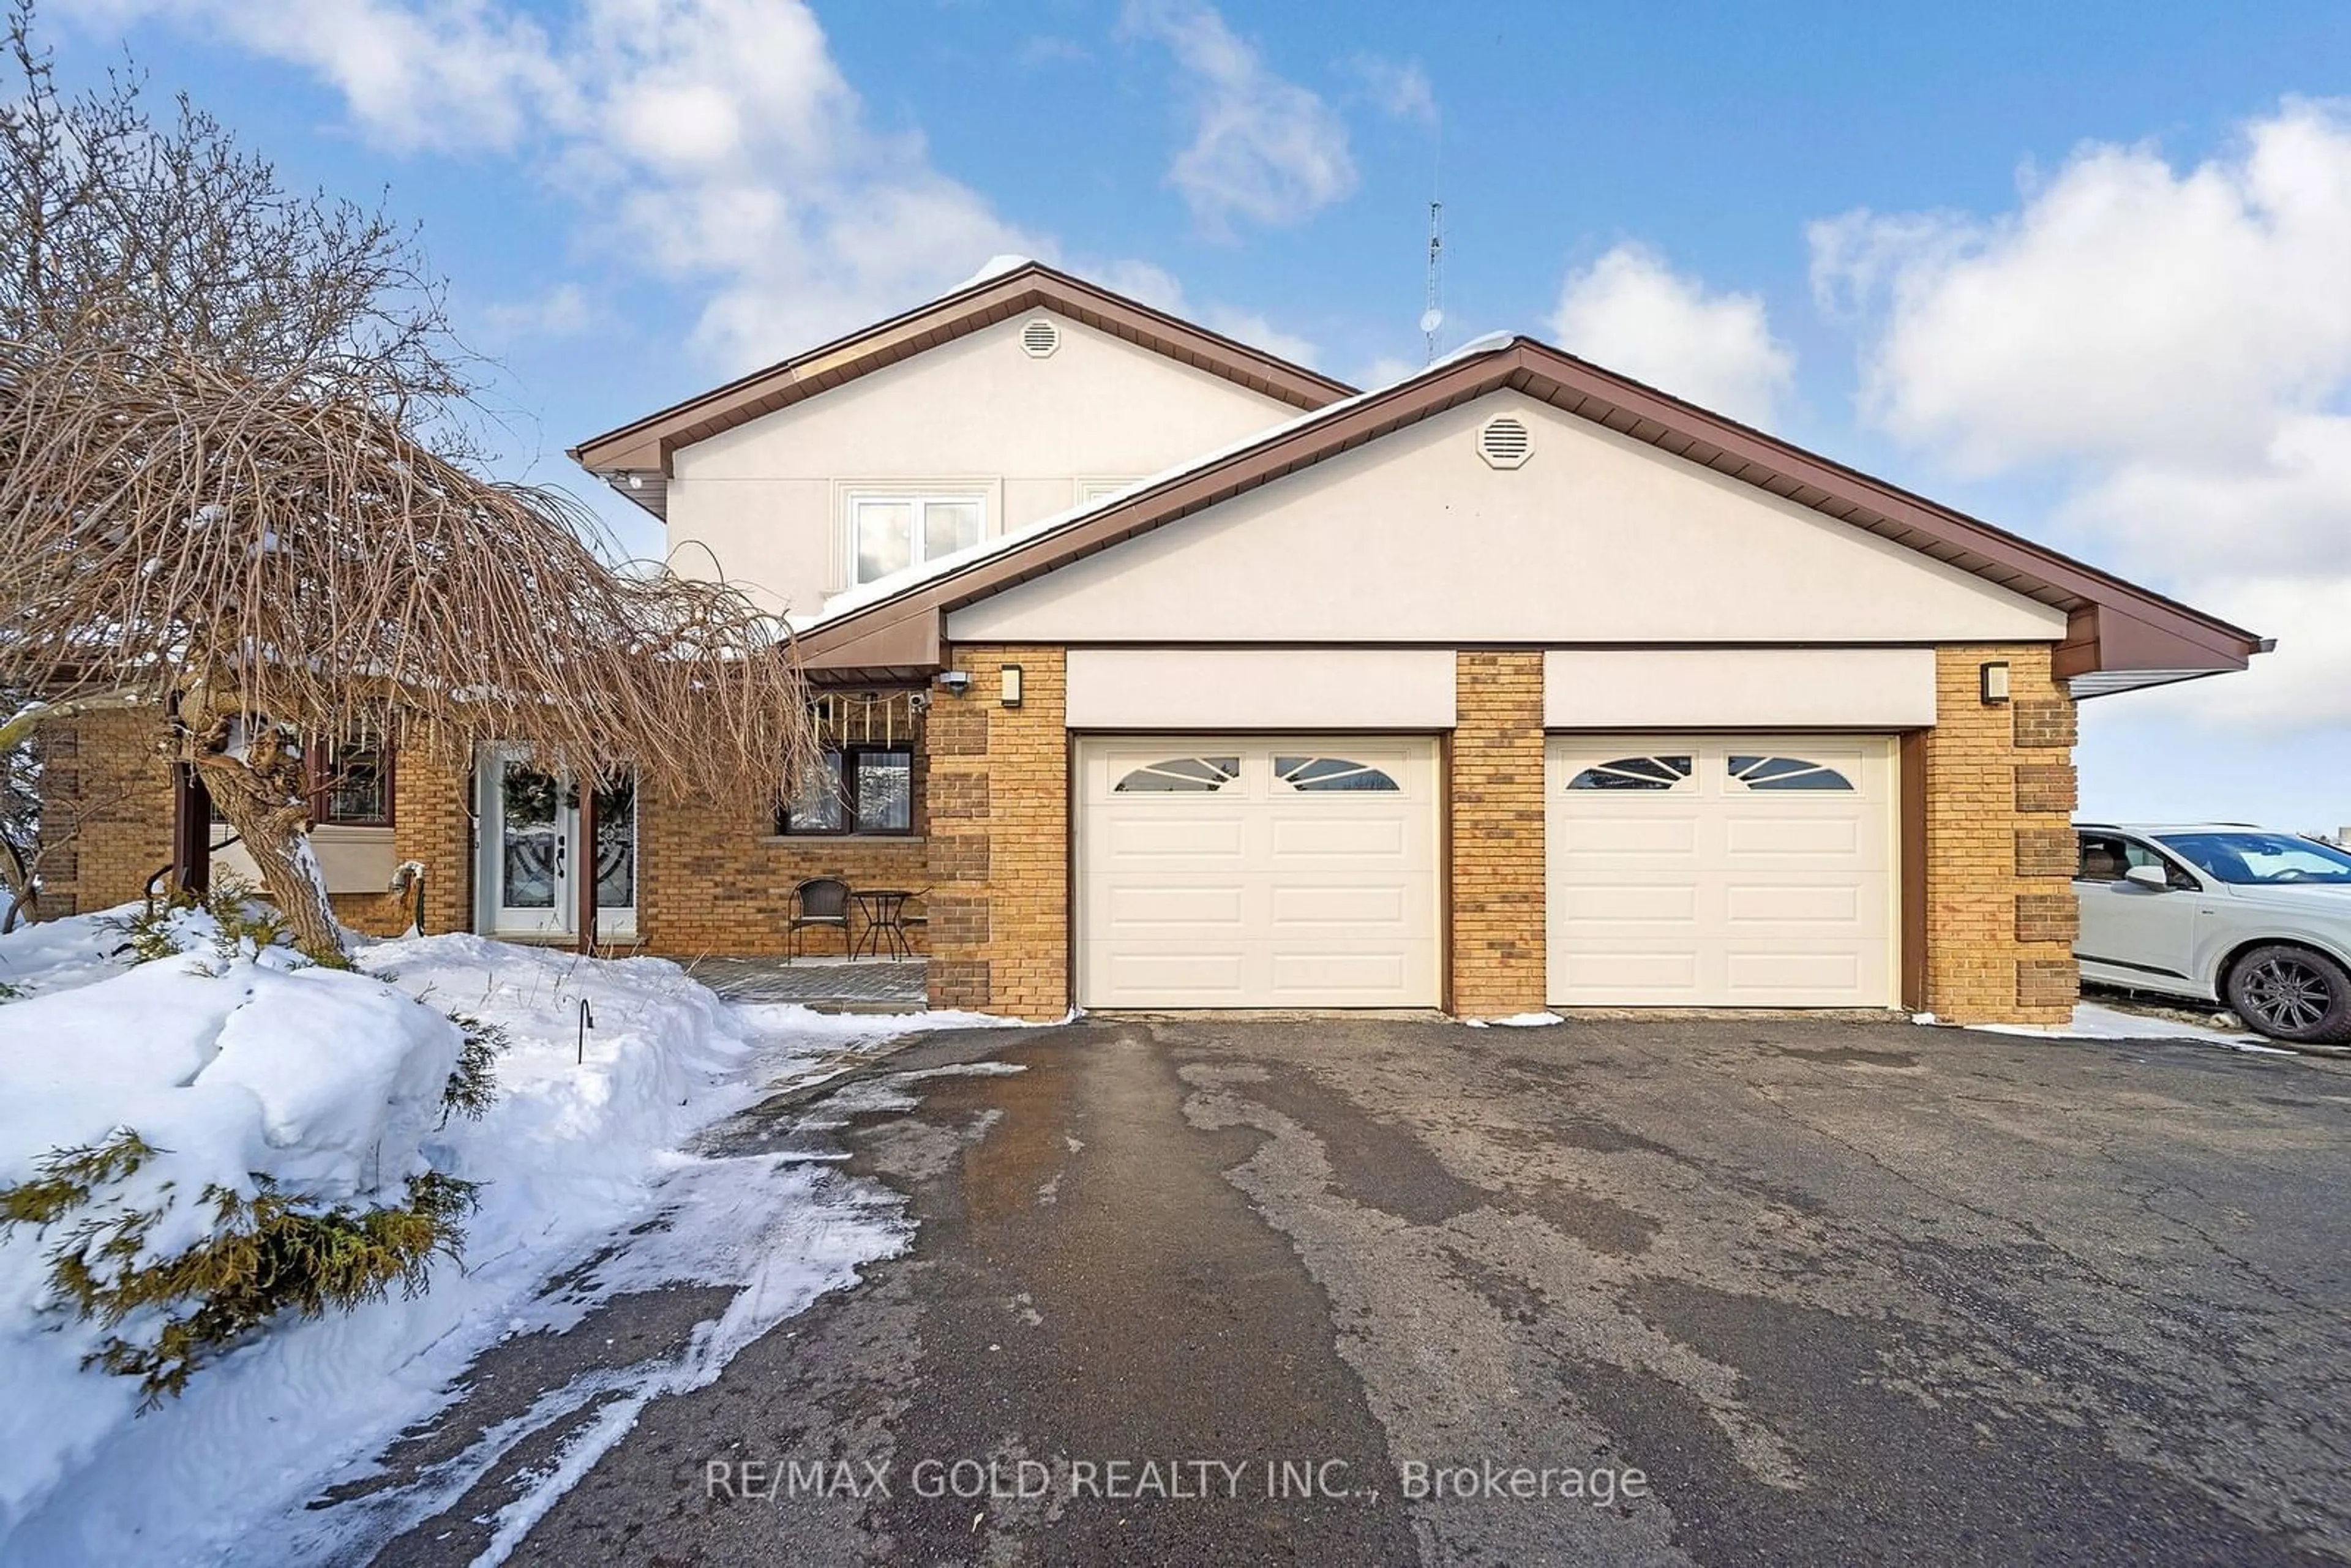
[
  {"x": 108, "y": 792},
  {"x": 993, "y": 842},
  {"x": 2000, "y": 845},
  {"x": 1497, "y": 817},
  {"x": 1001, "y": 917},
  {"x": 715, "y": 882},
  {"x": 107, "y": 772},
  {"x": 432, "y": 825}
]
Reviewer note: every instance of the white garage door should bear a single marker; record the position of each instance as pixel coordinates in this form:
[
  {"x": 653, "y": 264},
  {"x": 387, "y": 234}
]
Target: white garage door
[
  {"x": 1248, "y": 873},
  {"x": 1744, "y": 870}
]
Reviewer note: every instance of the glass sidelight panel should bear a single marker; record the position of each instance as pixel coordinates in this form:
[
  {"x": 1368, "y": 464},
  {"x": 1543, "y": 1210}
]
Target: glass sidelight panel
[
  {"x": 530, "y": 836},
  {"x": 616, "y": 843}
]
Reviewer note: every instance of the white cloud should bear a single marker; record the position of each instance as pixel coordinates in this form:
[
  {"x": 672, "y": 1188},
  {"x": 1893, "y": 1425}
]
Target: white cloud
[
  {"x": 1157, "y": 288},
  {"x": 1632, "y": 313},
  {"x": 2304, "y": 686},
  {"x": 1263, "y": 147},
  {"x": 2174, "y": 345},
  {"x": 446, "y": 75},
  {"x": 1398, "y": 88},
  {"x": 2125, "y": 306},
  {"x": 1047, "y": 50},
  {"x": 563, "y": 311},
  {"x": 713, "y": 142},
  {"x": 1248, "y": 327}
]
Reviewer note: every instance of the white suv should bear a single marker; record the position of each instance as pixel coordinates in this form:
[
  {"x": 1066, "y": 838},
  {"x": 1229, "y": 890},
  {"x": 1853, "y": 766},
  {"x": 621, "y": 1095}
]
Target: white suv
[{"x": 2221, "y": 911}]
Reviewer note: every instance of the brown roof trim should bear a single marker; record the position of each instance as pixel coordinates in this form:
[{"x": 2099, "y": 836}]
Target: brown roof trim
[
  {"x": 641, "y": 450},
  {"x": 2113, "y": 625}
]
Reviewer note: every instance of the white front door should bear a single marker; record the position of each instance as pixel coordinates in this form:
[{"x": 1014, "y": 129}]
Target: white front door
[
  {"x": 1721, "y": 871},
  {"x": 531, "y": 854},
  {"x": 1242, "y": 872}
]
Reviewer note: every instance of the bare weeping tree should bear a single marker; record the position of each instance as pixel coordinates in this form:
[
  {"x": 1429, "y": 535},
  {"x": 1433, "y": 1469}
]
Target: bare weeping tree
[{"x": 233, "y": 495}]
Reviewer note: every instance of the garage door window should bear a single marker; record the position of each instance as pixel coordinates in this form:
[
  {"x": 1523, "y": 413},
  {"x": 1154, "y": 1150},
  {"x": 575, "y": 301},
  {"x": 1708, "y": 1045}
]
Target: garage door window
[
  {"x": 1786, "y": 773},
  {"x": 1331, "y": 773},
  {"x": 1181, "y": 776},
  {"x": 1633, "y": 773}
]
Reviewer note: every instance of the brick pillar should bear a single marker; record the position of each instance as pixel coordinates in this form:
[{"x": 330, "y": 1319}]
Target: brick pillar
[
  {"x": 2000, "y": 844},
  {"x": 431, "y": 782},
  {"x": 999, "y": 847},
  {"x": 1498, "y": 888}
]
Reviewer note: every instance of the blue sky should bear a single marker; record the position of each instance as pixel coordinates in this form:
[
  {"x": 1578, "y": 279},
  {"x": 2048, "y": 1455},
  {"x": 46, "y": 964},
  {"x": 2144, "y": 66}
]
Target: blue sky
[{"x": 2082, "y": 274}]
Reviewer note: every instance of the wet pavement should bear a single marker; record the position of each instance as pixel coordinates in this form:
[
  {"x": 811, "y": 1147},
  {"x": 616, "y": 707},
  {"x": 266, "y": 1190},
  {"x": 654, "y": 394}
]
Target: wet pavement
[{"x": 1782, "y": 1291}]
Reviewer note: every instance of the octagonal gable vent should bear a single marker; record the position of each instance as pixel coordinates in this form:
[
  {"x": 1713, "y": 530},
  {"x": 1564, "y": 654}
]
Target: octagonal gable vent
[
  {"x": 1040, "y": 338},
  {"x": 1504, "y": 441}
]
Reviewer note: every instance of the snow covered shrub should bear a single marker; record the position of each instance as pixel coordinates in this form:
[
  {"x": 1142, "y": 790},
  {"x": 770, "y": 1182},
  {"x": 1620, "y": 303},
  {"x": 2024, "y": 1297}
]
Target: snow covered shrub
[
  {"x": 226, "y": 918},
  {"x": 266, "y": 1254},
  {"x": 199, "y": 1146},
  {"x": 474, "y": 1083}
]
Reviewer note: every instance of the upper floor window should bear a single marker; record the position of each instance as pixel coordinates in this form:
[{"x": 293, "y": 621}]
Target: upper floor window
[
  {"x": 888, "y": 533},
  {"x": 1092, "y": 490}
]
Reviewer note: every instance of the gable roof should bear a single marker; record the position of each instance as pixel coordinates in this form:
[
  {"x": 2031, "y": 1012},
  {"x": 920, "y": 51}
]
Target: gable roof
[
  {"x": 2118, "y": 636},
  {"x": 635, "y": 458}
]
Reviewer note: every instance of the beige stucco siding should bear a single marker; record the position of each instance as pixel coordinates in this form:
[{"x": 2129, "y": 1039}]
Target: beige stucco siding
[
  {"x": 1260, "y": 688},
  {"x": 1739, "y": 688},
  {"x": 1596, "y": 539},
  {"x": 764, "y": 502}
]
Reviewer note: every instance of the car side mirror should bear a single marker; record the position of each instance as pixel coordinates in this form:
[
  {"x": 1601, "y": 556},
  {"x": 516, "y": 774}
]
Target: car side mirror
[{"x": 2149, "y": 876}]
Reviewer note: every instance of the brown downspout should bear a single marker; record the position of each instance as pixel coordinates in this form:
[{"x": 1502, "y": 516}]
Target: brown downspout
[
  {"x": 191, "y": 820},
  {"x": 191, "y": 831},
  {"x": 586, "y": 860}
]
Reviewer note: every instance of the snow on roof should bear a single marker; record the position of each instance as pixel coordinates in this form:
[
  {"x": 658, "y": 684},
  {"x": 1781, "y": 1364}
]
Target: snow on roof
[
  {"x": 883, "y": 587},
  {"x": 995, "y": 267}
]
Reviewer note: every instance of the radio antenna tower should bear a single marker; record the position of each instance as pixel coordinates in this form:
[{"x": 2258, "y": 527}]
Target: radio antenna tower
[{"x": 1432, "y": 315}]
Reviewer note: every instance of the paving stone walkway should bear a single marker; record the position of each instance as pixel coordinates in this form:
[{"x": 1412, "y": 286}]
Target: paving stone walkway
[{"x": 864, "y": 984}]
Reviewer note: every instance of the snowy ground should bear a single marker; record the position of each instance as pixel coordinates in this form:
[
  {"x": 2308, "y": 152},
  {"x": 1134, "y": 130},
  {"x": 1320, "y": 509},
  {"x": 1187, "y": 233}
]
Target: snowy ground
[
  {"x": 2101, "y": 1018},
  {"x": 580, "y": 1146}
]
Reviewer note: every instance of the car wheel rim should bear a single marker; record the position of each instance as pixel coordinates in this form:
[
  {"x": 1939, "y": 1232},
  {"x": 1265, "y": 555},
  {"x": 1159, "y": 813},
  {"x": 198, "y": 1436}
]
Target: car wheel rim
[{"x": 2286, "y": 994}]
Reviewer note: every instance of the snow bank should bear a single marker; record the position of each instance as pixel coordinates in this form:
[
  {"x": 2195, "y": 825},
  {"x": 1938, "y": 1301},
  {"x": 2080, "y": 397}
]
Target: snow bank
[
  {"x": 315, "y": 1076},
  {"x": 58, "y": 955},
  {"x": 232, "y": 1069},
  {"x": 2092, "y": 1022}
]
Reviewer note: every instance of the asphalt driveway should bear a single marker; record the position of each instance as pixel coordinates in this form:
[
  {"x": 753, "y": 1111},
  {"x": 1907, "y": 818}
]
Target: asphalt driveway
[{"x": 1642, "y": 1291}]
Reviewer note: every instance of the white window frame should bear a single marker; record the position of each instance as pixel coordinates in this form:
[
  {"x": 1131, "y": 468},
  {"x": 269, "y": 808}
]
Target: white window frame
[
  {"x": 917, "y": 497},
  {"x": 1094, "y": 487}
]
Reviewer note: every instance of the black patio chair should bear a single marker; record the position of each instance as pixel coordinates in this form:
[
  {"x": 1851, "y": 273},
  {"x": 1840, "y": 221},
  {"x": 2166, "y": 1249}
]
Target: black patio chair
[
  {"x": 910, "y": 924},
  {"x": 821, "y": 901}
]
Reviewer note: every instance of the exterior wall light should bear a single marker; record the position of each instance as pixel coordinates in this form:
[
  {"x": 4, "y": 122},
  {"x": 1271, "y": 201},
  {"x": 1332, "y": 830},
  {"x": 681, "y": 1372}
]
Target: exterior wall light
[
  {"x": 1011, "y": 685},
  {"x": 1995, "y": 681},
  {"x": 954, "y": 683}
]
